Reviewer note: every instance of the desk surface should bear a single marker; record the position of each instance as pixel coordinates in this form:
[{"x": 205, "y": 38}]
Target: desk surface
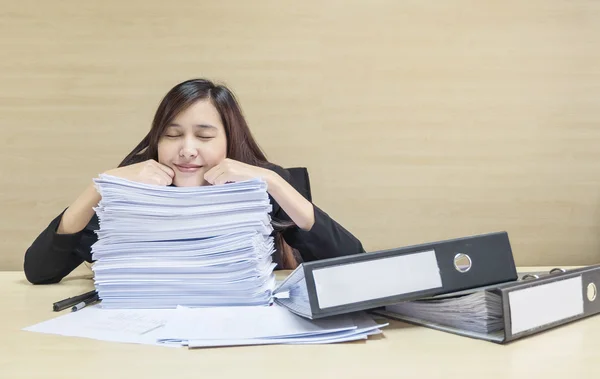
[{"x": 404, "y": 350}]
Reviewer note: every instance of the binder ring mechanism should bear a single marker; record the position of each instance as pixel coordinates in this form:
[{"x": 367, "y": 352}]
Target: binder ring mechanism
[
  {"x": 462, "y": 262},
  {"x": 537, "y": 276},
  {"x": 530, "y": 276}
]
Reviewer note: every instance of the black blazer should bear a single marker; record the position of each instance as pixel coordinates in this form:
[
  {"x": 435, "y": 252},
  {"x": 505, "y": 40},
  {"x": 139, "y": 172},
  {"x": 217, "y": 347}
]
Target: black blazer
[{"x": 53, "y": 256}]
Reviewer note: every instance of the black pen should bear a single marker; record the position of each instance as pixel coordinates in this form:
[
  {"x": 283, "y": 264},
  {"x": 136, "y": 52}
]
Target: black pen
[
  {"x": 85, "y": 303},
  {"x": 66, "y": 303}
]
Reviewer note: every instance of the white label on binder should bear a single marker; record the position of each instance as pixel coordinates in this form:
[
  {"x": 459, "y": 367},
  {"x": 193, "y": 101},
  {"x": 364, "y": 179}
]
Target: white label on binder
[
  {"x": 544, "y": 304},
  {"x": 362, "y": 281}
]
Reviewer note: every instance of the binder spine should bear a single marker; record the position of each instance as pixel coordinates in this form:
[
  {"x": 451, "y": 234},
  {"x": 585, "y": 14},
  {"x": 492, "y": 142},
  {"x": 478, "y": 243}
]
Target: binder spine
[{"x": 587, "y": 293}]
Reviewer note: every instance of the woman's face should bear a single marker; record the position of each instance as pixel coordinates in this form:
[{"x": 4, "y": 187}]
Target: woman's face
[{"x": 193, "y": 143}]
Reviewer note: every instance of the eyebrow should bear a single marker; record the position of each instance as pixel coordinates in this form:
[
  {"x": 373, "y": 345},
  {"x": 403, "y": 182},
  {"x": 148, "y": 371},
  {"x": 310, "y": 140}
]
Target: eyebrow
[{"x": 201, "y": 126}]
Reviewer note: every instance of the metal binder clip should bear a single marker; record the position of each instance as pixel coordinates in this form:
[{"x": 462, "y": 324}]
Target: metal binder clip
[
  {"x": 557, "y": 269},
  {"x": 530, "y": 276}
]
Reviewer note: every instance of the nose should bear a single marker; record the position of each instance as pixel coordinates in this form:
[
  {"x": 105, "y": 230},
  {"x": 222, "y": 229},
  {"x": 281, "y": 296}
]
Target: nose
[{"x": 188, "y": 149}]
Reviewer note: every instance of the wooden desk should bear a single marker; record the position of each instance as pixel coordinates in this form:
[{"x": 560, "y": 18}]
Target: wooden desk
[{"x": 404, "y": 351}]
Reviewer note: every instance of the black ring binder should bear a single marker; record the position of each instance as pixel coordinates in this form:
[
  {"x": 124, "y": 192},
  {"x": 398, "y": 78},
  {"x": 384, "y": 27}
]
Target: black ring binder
[{"x": 577, "y": 299}]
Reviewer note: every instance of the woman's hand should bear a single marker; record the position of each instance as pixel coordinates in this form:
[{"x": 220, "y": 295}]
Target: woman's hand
[
  {"x": 148, "y": 172},
  {"x": 81, "y": 211},
  {"x": 230, "y": 170},
  {"x": 300, "y": 210}
]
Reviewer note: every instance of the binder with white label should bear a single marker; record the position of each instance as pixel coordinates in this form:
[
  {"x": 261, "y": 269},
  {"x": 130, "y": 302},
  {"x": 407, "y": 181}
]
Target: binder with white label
[
  {"x": 509, "y": 311},
  {"x": 370, "y": 280}
]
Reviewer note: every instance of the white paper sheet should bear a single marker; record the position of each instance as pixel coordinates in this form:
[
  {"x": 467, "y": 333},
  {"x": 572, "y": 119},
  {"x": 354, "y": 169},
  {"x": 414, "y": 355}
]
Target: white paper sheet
[
  {"x": 259, "y": 325},
  {"x": 365, "y": 326},
  {"x": 139, "y": 326},
  {"x": 205, "y": 327}
]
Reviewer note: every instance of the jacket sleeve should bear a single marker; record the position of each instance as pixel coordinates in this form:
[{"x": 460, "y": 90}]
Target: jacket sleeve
[
  {"x": 53, "y": 256},
  {"x": 326, "y": 239}
]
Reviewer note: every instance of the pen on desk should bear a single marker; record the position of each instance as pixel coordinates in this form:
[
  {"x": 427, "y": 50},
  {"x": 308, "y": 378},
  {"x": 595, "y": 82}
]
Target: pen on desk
[
  {"x": 69, "y": 302},
  {"x": 85, "y": 303}
]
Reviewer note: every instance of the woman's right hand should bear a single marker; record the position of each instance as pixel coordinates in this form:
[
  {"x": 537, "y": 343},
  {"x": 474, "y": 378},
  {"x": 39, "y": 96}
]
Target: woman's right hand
[
  {"x": 148, "y": 172},
  {"x": 81, "y": 211}
]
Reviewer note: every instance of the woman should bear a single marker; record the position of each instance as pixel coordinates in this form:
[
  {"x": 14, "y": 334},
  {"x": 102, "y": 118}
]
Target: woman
[{"x": 198, "y": 137}]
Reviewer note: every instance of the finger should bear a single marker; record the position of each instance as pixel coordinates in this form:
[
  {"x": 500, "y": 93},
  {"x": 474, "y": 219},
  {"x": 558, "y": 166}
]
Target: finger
[
  {"x": 168, "y": 170},
  {"x": 212, "y": 179},
  {"x": 222, "y": 178},
  {"x": 214, "y": 172},
  {"x": 162, "y": 178},
  {"x": 209, "y": 172}
]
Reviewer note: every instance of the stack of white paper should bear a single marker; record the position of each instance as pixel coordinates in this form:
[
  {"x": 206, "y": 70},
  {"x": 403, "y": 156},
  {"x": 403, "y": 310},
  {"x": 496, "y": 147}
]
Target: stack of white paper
[
  {"x": 206, "y": 327},
  {"x": 160, "y": 247}
]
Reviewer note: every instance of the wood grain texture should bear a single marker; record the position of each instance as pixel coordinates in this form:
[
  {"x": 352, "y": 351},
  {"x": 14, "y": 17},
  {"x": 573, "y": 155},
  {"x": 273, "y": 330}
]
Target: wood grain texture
[
  {"x": 418, "y": 121},
  {"x": 416, "y": 352}
]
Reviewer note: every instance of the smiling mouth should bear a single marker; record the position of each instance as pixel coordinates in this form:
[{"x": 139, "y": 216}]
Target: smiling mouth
[{"x": 188, "y": 168}]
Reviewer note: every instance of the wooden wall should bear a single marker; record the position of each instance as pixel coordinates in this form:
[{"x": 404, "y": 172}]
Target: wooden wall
[{"x": 418, "y": 120}]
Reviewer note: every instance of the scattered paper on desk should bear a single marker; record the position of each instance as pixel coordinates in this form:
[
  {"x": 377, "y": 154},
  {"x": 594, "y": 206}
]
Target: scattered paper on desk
[
  {"x": 229, "y": 326},
  {"x": 364, "y": 326},
  {"x": 116, "y": 325},
  {"x": 160, "y": 247},
  {"x": 247, "y": 322},
  {"x": 205, "y": 327}
]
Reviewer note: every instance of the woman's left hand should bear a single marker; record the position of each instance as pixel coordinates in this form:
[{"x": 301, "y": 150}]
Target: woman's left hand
[
  {"x": 230, "y": 170},
  {"x": 300, "y": 210}
]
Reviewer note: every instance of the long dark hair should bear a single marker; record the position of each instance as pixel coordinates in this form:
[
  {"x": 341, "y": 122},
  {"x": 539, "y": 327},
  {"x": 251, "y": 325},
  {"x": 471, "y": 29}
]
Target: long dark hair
[{"x": 241, "y": 145}]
